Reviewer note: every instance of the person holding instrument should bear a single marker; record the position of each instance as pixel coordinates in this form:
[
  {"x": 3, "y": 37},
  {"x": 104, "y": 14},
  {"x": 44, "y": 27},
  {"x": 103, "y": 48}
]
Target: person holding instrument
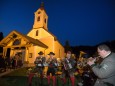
[
  {"x": 39, "y": 63},
  {"x": 68, "y": 68},
  {"x": 105, "y": 71},
  {"x": 52, "y": 67}
]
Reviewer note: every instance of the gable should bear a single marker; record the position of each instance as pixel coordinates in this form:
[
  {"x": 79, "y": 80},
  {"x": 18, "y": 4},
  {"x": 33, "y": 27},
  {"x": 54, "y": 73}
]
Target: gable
[{"x": 15, "y": 36}]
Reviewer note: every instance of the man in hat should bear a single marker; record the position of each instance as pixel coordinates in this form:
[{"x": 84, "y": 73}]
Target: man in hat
[
  {"x": 39, "y": 62},
  {"x": 68, "y": 68},
  {"x": 52, "y": 66}
]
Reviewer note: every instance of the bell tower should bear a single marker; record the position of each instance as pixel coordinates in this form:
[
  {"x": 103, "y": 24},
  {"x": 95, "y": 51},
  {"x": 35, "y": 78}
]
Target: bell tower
[{"x": 41, "y": 18}]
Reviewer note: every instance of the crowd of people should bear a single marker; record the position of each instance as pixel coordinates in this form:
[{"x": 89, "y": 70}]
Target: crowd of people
[
  {"x": 10, "y": 63},
  {"x": 94, "y": 73}
]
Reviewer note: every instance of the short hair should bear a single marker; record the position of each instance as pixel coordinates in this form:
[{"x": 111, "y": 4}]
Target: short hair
[{"x": 104, "y": 47}]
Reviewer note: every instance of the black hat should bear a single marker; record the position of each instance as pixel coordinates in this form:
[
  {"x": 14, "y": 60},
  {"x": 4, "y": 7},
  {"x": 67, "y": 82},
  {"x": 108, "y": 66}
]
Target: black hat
[
  {"x": 40, "y": 53},
  {"x": 51, "y": 53}
]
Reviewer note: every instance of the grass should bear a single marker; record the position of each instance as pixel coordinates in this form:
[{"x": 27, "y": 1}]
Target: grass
[{"x": 19, "y": 78}]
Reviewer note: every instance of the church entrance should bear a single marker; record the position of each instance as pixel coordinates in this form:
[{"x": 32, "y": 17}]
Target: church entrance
[{"x": 21, "y": 53}]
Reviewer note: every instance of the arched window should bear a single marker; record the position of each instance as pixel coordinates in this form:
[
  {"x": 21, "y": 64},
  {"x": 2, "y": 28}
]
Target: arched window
[
  {"x": 38, "y": 18},
  {"x": 39, "y": 12},
  {"x": 45, "y": 20}
]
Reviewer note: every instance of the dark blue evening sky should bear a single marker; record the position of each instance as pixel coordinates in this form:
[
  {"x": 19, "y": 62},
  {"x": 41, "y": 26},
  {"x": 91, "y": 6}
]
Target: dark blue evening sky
[{"x": 81, "y": 22}]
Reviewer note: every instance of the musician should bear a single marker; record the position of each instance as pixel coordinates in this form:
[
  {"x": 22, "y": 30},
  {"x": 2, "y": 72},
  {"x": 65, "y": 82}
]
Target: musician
[
  {"x": 39, "y": 67},
  {"x": 68, "y": 68},
  {"x": 52, "y": 66},
  {"x": 105, "y": 71},
  {"x": 39, "y": 62}
]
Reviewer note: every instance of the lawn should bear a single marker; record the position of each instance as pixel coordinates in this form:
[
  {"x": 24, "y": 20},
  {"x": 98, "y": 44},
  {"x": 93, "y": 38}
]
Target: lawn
[{"x": 20, "y": 78}]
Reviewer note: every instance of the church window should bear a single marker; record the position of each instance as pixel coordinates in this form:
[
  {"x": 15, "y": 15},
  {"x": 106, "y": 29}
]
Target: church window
[
  {"x": 37, "y": 33},
  {"x": 17, "y": 42},
  {"x": 38, "y": 18},
  {"x": 45, "y": 20}
]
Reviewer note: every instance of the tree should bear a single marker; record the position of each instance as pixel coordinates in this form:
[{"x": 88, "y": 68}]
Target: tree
[
  {"x": 1, "y": 36},
  {"x": 67, "y": 46}
]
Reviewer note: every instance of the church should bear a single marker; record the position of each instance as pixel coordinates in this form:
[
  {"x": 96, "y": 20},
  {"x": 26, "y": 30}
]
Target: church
[{"x": 37, "y": 39}]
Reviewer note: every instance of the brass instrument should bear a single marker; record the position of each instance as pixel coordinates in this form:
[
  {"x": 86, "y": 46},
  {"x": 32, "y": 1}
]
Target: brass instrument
[
  {"x": 98, "y": 59},
  {"x": 67, "y": 65},
  {"x": 40, "y": 61},
  {"x": 52, "y": 61},
  {"x": 81, "y": 62}
]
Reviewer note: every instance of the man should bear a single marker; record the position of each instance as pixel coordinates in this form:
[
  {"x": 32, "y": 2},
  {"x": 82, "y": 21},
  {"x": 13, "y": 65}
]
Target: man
[
  {"x": 39, "y": 67},
  {"x": 39, "y": 62},
  {"x": 68, "y": 68},
  {"x": 52, "y": 66},
  {"x": 105, "y": 71}
]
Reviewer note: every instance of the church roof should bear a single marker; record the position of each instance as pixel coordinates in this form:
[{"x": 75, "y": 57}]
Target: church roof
[
  {"x": 55, "y": 38},
  {"x": 27, "y": 38}
]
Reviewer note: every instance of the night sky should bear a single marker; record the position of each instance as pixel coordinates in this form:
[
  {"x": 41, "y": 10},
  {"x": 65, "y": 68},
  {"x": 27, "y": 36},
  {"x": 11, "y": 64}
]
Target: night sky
[{"x": 81, "y": 22}]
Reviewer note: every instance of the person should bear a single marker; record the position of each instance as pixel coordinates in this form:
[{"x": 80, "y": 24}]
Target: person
[
  {"x": 2, "y": 63},
  {"x": 52, "y": 66},
  {"x": 39, "y": 63},
  {"x": 14, "y": 61},
  {"x": 68, "y": 68},
  {"x": 105, "y": 71},
  {"x": 39, "y": 67}
]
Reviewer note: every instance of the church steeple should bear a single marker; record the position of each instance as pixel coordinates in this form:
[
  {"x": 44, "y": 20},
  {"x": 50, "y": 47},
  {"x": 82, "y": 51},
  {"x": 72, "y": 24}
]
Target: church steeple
[{"x": 41, "y": 18}]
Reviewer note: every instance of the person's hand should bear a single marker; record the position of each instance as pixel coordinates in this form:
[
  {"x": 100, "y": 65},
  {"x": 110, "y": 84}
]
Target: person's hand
[{"x": 91, "y": 61}]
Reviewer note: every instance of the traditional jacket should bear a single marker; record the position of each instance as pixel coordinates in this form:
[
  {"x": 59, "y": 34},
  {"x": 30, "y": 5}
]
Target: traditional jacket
[
  {"x": 105, "y": 71},
  {"x": 40, "y": 61},
  {"x": 52, "y": 62},
  {"x": 69, "y": 63}
]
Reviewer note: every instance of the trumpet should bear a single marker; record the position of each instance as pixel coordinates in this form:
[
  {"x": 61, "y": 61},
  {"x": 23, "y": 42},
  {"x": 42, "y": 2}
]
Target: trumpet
[{"x": 96, "y": 58}]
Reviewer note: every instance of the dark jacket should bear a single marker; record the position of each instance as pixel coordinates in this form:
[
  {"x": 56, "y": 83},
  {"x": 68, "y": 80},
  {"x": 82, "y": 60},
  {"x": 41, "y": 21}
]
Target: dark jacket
[{"x": 40, "y": 61}]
